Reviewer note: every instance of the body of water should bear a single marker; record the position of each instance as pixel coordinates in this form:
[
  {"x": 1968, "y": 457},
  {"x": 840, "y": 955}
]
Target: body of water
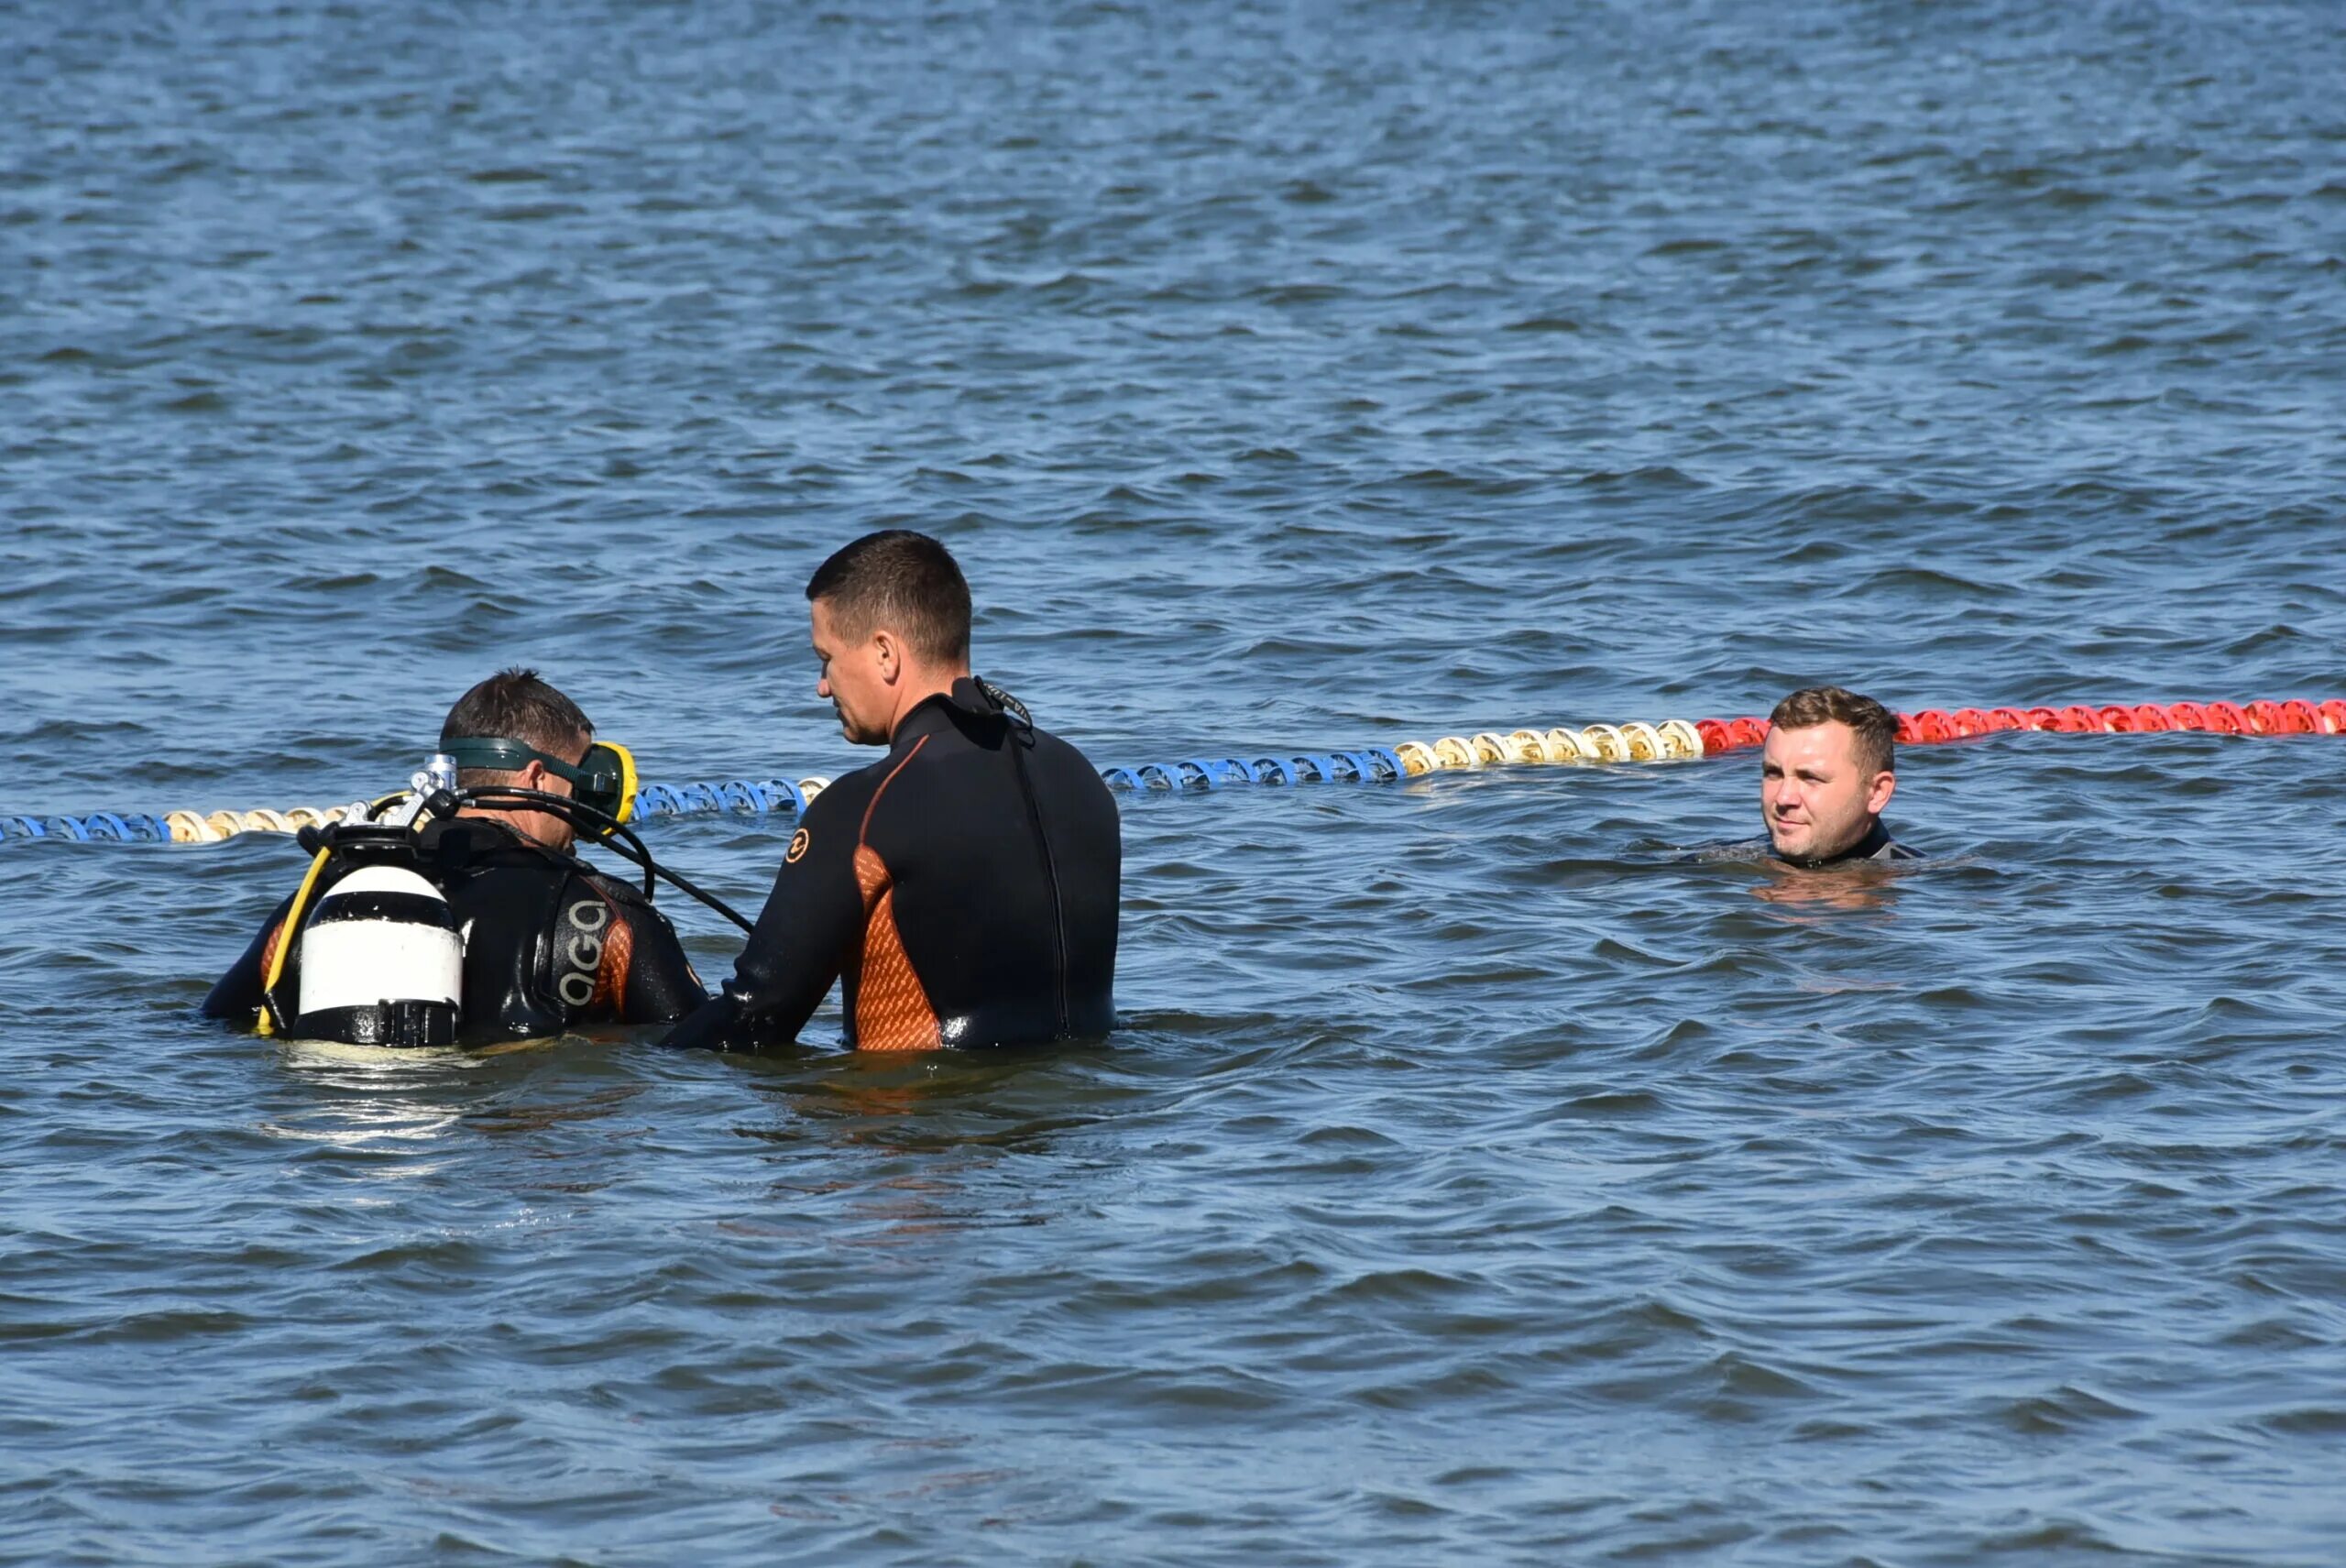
[{"x": 1474, "y": 1177}]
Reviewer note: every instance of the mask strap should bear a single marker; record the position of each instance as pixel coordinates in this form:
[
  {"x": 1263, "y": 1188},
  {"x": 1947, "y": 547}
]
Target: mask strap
[{"x": 510, "y": 756}]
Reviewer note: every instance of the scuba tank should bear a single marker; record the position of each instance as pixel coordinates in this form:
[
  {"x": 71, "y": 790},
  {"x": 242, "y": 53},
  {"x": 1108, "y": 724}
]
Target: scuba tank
[{"x": 382, "y": 961}]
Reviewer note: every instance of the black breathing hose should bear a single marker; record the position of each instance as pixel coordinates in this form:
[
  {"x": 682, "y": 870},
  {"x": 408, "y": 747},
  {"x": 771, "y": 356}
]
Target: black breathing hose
[{"x": 607, "y": 830}]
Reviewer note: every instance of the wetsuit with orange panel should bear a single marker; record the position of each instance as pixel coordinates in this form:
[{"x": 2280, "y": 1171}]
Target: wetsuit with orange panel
[{"x": 962, "y": 890}]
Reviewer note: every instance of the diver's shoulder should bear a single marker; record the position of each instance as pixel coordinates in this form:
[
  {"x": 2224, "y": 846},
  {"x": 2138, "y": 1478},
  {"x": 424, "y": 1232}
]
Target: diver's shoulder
[
  {"x": 848, "y": 795},
  {"x": 618, "y": 890},
  {"x": 1057, "y": 743},
  {"x": 633, "y": 904},
  {"x": 1893, "y": 848},
  {"x": 1062, "y": 756}
]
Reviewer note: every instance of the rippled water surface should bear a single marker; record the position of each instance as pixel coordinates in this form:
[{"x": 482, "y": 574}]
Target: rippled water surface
[{"x": 1474, "y": 1177}]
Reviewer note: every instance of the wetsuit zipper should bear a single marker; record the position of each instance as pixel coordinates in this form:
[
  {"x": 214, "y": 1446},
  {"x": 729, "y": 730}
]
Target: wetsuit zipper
[{"x": 1051, "y": 866}]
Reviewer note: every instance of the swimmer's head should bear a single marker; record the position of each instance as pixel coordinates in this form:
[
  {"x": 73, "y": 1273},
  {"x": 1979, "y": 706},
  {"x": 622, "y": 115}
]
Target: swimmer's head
[
  {"x": 1828, "y": 770},
  {"x": 516, "y": 704},
  {"x": 891, "y": 618}
]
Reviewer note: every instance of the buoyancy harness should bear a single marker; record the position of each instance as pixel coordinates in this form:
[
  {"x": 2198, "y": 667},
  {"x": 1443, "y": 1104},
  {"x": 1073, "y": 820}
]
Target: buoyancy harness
[{"x": 382, "y": 958}]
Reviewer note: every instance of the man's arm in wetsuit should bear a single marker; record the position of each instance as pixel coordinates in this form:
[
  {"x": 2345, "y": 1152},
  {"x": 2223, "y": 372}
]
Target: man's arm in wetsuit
[
  {"x": 237, "y": 996},
  {"x": 813, "y": 918},
  {"x": 661, "y": 985}
]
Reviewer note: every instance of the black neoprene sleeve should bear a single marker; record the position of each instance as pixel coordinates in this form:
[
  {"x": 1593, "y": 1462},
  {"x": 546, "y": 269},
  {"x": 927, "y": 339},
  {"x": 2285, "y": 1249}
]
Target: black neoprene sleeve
[{"x": 811, "y": 922}]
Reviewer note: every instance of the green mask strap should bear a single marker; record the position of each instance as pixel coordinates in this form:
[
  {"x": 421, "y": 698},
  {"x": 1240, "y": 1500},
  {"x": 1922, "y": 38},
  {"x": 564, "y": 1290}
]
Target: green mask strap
[{"x": 605, "y": 781}]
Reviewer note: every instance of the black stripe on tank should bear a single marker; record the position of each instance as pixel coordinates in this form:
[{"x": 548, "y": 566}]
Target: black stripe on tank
[
  {"x": 385, "y": 1023},
  {"x": 406, "y": 909}
]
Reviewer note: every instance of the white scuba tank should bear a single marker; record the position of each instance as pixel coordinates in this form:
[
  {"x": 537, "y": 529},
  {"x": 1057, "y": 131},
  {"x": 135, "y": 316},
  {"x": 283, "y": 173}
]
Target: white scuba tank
[{"x": 382, "y": 963}]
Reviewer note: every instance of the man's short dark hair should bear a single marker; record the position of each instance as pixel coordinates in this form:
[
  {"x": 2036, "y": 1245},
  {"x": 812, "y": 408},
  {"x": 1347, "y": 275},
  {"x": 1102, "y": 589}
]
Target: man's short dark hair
[
  {"x": 515, "y": 705},
  {"x": 903, "y": 582},
  {"x": 1875, "y": 727}
]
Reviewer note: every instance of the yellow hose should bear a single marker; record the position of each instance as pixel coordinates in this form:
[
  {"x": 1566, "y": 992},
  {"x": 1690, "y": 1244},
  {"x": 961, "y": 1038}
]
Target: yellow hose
[{"x": 285, "y": 940}]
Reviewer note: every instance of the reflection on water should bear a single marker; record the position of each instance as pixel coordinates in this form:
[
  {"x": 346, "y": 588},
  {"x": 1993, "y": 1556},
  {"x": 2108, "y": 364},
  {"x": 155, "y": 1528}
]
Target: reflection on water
[
  {"x": 1849, "y": 890},
  {"x": 917, "y": 1102},
  {"x": 524, "y": 1119},
  {"x": 373, "y": 1096}
]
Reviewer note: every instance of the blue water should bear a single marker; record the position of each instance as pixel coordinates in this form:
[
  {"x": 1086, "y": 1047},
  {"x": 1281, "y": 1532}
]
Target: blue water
[{"x": 1472, "y": 1176}]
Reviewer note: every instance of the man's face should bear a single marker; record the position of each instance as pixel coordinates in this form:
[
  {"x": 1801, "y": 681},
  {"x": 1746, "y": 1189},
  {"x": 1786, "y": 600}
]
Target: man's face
[
  {"x": 854, "y": 679},
  {"x": 1817, "y": 800}
]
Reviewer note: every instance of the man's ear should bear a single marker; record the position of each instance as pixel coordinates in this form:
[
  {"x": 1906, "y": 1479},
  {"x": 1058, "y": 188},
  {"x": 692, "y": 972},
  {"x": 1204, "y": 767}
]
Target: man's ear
[
  {"x": 533, "y": 776},
  {"x": 1884, "y": 786},
  {"x": 891, "y": 654}
]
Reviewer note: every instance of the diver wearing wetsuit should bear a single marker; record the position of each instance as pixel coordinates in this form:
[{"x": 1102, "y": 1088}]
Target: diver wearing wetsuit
[
  {"x": 549, "y": 942},
  {"x": 1877, "y": 846},
  {"x": 1829, "y": 767},
  {"x": 964, "y": 890}
]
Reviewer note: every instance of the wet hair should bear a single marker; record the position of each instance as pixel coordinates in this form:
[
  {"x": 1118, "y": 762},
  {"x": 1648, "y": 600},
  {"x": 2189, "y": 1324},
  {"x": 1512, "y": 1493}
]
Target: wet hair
[
  {"x": 514, "y": 705},
  {"x": 1874, "y": 725},
  {"x": 898, "y": 581}
]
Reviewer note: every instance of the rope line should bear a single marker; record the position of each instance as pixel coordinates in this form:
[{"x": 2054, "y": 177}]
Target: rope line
[{"x": 1672, "y": 739}]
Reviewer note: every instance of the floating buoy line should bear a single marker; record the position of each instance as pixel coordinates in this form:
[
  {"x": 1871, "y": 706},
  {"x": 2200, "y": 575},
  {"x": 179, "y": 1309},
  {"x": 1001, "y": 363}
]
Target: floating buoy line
[{"x": 1672, "y": 740}]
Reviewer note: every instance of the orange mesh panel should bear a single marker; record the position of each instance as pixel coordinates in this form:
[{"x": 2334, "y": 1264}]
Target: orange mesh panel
[
  {"x": 611, "y": 975},
  {"x": 892, "y": 1009}
]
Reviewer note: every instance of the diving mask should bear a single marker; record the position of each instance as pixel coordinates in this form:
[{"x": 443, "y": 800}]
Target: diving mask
[{"x": 604, "y": 781}]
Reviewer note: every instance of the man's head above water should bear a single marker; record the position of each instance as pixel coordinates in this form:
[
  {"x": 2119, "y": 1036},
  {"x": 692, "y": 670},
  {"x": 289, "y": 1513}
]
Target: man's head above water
[
  {"x": 891, "y": 623},
  {"x": 516, "y": 704},
  {"x": 1828, "y": 770}
]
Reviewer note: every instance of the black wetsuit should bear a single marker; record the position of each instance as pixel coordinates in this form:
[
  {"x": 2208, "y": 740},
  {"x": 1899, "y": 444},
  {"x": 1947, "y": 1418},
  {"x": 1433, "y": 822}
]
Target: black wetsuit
[
  {"x": 964, "y": 890},
  {"x": 549, "y": 941},
  {"x": 1877, "y": 845}
]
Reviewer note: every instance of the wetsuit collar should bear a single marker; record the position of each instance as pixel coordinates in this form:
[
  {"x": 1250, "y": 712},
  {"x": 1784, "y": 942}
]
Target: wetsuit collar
[
  {"x": 1876, "y": 840},
  {"x": 935, "y": 713},
  {"x": 441, "y": 827},
  {"x": 507, "y": 836}
]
